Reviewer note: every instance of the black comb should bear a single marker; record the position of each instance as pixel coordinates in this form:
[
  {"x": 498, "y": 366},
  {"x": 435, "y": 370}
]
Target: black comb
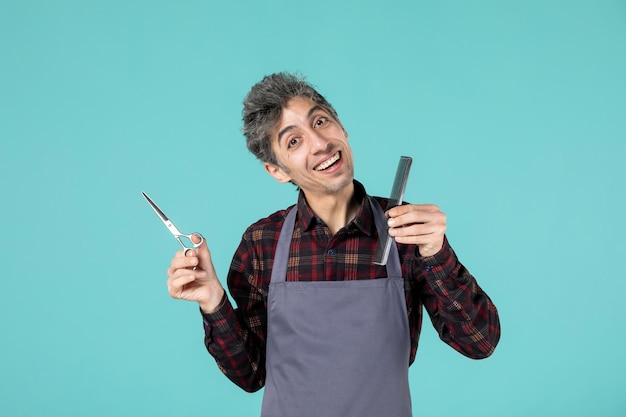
[{"x": 397, "y": 193}]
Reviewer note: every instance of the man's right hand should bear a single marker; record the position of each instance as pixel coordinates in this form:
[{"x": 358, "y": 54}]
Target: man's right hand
[{"x": 192, "y": 277}]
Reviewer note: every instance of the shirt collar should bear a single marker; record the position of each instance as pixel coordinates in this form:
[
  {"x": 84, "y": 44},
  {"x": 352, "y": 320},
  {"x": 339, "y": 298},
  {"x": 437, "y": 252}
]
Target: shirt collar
[{"x": 363, "y": 220}]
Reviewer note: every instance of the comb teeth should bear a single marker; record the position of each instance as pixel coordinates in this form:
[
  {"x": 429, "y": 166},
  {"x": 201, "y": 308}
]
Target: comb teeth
[
  {"x": 399, "y": 182},
  {"x": 395, "y": 199}
]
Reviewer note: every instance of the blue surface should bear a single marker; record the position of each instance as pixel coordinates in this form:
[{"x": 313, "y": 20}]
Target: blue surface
[{"x": 513, "y": 112}]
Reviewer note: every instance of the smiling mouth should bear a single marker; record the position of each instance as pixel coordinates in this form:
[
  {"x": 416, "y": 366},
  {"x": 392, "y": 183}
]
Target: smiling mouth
[{"x": 329, "y": 162}]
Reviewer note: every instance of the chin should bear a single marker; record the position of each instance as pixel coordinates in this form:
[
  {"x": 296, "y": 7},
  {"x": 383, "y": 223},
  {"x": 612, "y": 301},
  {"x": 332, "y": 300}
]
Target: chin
[{"x": 340, "y": 186}]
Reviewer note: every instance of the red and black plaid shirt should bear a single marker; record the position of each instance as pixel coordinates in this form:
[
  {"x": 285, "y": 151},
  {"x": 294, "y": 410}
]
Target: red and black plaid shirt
[{"x": 461, "y": 312}]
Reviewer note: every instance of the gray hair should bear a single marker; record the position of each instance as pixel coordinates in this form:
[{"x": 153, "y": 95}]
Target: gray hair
[{"x": 263, "y": 107}]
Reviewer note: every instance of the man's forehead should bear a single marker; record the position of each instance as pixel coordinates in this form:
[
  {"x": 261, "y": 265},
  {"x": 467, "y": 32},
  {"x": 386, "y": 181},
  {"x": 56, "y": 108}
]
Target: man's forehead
[{"x": 302, "y": 107}]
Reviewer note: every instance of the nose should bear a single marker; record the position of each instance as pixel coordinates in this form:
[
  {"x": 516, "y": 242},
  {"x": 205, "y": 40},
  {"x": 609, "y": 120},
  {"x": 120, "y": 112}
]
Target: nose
[{"x": 319, "y": 142}]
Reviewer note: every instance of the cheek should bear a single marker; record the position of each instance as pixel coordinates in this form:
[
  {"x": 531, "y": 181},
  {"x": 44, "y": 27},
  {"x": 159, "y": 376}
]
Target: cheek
[{"x": 297, "y": 155}]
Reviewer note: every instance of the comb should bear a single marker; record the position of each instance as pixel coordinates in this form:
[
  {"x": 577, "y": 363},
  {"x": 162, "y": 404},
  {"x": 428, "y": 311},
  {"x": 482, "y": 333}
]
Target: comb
[{"x": 395, "y": 199}]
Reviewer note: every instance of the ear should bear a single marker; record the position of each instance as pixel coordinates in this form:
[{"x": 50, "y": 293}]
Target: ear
[{"x": 276, "y": 172}]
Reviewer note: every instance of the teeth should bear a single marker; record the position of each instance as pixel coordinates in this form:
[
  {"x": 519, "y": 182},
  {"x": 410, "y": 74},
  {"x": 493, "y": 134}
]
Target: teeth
[{"x": 327, "y": 163}]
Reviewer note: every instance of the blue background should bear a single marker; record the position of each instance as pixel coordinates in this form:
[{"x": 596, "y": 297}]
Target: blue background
[{"x": 514, "y": 113}]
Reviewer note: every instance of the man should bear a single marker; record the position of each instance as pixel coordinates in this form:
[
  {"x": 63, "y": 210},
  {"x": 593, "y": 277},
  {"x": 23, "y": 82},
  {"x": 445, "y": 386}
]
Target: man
[{"x": 326, "y": 331}]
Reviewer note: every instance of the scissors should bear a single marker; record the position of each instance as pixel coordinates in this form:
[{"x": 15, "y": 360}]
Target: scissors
[{"x": 177, "y": 234}]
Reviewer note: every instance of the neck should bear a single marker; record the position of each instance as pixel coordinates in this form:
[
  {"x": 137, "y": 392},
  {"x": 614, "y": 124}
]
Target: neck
[{"x": 337, "y": 209}]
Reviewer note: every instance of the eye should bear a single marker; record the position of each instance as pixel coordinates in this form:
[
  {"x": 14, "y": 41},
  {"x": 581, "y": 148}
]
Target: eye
[
  {"x": 320, "y": 121},
  {"x": 293, "y": 142}
]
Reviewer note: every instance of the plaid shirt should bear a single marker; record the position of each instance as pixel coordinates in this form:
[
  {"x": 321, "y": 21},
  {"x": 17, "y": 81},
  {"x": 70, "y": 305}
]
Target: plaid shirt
[{"x": 461, "y": 312}]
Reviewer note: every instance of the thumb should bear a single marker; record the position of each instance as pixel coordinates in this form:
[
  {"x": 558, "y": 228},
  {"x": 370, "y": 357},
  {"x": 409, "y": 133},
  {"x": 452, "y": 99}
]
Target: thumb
[
  {"x": 203, "y": 254},
  {"x": 196, "y": 238}
]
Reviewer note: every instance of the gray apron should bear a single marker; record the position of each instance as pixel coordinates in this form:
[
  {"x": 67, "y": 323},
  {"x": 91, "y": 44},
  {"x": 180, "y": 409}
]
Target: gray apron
[{"x": 336, "y": 348}]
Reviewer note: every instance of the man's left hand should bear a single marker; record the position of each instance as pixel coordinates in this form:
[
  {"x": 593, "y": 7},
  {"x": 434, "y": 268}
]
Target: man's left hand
[{"x": 423, "y": 225}]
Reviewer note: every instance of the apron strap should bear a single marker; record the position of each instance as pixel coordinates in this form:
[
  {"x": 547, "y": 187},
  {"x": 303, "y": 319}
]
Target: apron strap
[
  {"x": 281, "y": 254},
  {"x": 393, "y": 262}
]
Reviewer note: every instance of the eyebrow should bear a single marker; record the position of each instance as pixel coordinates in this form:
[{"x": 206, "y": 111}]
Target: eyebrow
[{"x": 290, "y": 127}]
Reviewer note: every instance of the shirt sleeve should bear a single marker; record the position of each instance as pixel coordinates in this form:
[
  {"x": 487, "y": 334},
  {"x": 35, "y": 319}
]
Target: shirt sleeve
[
  {"x": 235, "y": 337},
  {"x": 462, "y": 313}
]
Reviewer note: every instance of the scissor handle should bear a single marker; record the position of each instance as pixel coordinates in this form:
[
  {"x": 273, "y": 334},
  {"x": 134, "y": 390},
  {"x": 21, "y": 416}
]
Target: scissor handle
[{"x": 188, "y": 237}]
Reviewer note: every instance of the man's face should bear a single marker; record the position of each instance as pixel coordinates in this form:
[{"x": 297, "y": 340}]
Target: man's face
[{"x": 312, "y": 150}]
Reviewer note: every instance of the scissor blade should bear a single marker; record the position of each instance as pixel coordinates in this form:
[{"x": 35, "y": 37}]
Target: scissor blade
[
  {"x": 170, "y": 226},
  {"x": 156, "y": 208}
]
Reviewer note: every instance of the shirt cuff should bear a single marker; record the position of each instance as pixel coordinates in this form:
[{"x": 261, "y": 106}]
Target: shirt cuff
[
  {"x": 441, "y": 264},
  {"x": 219, "y": 314}
]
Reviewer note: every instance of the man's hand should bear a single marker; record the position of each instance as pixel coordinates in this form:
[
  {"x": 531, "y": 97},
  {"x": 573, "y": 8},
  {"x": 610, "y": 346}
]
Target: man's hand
[
  {"x": 192, "y": 277},
  {"x": 423, "y": 225}
]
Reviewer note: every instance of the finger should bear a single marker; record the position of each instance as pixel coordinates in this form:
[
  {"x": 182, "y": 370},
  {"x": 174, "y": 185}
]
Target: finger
[
  {"x": 406, "y": 208},
  {"x": 176, "y": 286},
  {"x": 417, "y": 235},
  {"x": 184, "y": 263},
  {"x": 186, "y": 276},
  {"x": 203, "y": 254},
  {"x": 195, "y": 239},
  {"x": 421, "y": 241},
  {"x": 186, "y": 272},
  {"x": 416, "y": 230},
  {"x": 429, "y": 238},
  {"x": 413, "y": 217}
]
